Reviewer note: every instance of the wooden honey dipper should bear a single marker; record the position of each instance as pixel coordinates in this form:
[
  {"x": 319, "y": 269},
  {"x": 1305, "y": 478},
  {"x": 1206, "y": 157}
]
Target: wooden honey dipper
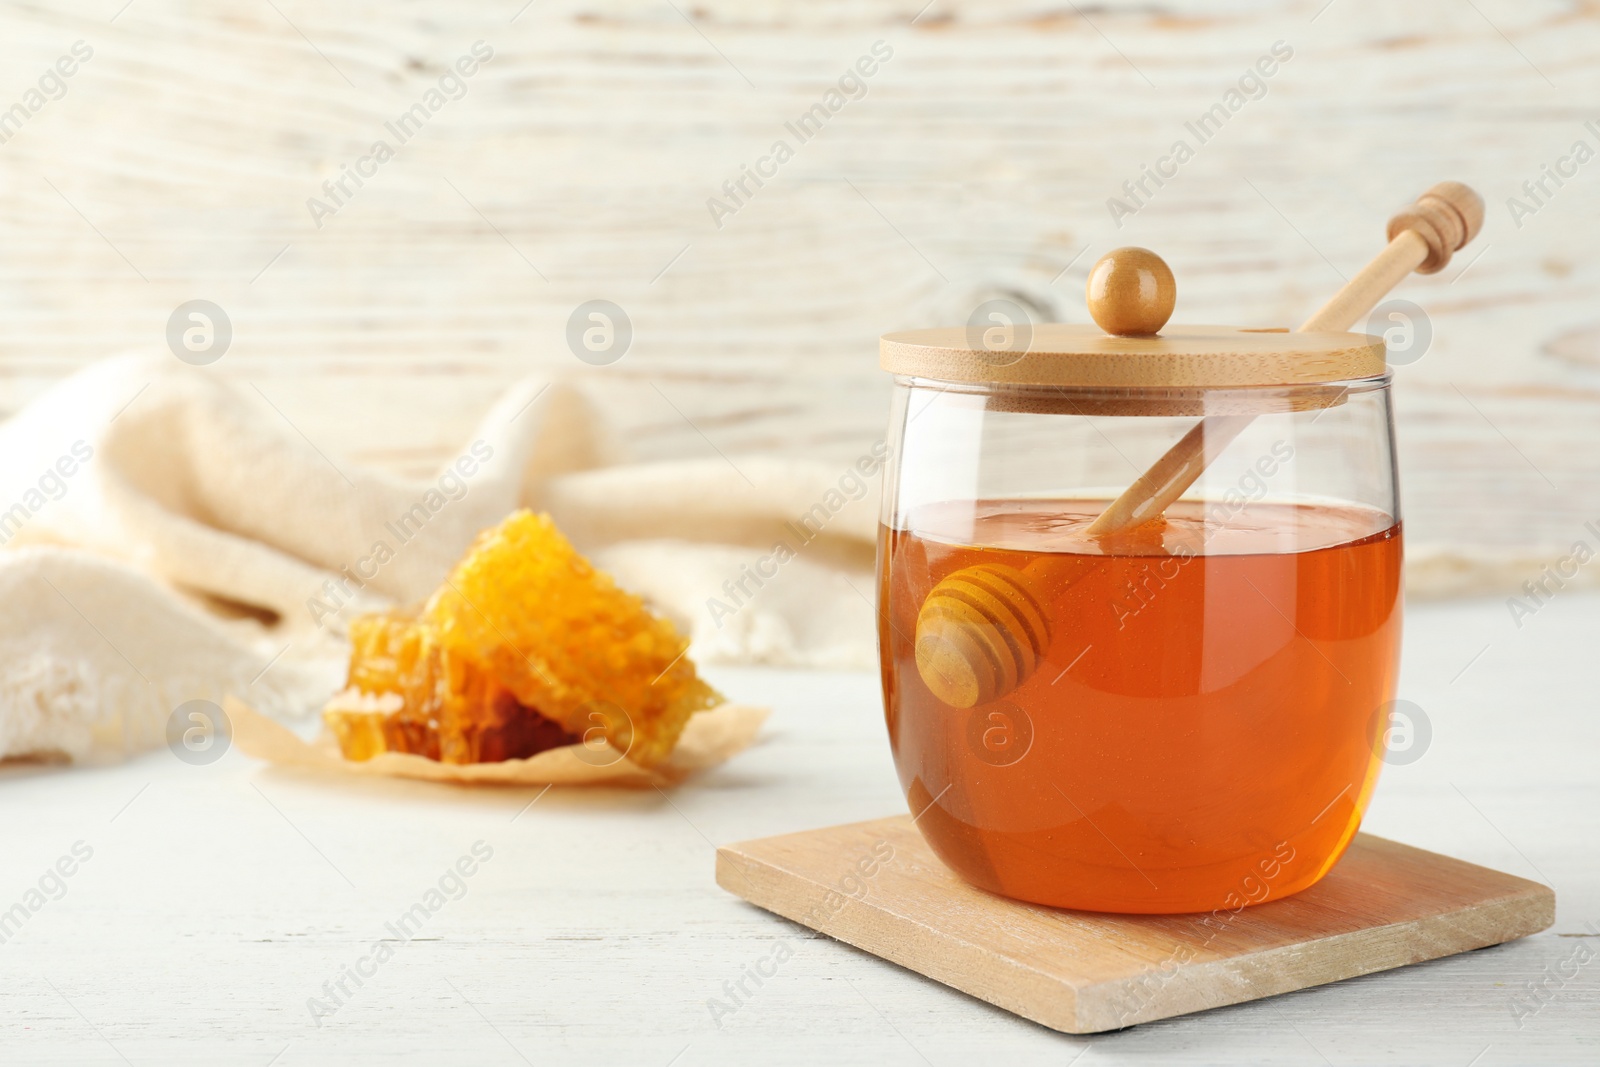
[{"x": 983, "y": 630}]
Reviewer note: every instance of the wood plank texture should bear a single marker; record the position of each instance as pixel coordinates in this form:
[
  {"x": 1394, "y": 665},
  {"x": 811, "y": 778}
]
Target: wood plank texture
[
  {"x": 1384, "y": 905},
  {"x": 579, "y": 164}
]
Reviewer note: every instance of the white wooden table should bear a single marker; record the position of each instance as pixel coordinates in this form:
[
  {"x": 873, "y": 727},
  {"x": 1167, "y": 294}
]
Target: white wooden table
[{"x": 219, "y": 899}]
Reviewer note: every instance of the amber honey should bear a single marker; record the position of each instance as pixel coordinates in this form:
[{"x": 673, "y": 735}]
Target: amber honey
[{"x": 1202, "y": 731}]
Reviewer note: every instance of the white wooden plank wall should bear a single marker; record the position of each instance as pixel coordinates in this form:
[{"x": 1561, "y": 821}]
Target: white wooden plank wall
[{"x": 578, "y": 165}]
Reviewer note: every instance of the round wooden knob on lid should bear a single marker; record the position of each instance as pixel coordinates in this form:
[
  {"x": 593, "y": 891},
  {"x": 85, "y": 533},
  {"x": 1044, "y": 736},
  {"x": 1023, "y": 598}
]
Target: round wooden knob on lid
[{"x": 1131, "y": 292}]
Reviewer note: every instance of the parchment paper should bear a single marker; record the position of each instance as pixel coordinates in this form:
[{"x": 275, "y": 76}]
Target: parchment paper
[{"x": 710, "y": 738}]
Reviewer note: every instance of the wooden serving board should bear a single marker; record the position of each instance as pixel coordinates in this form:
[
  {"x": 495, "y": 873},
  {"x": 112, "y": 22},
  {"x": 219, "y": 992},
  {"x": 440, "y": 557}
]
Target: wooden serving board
[{"x": 878, "y": 886}]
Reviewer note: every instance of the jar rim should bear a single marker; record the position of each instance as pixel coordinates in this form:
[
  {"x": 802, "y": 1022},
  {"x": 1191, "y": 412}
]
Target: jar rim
[{"x": 1153, "y": 401}]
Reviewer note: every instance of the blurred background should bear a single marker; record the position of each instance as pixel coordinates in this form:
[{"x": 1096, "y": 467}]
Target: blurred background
[{"x": 604, "y": 151}]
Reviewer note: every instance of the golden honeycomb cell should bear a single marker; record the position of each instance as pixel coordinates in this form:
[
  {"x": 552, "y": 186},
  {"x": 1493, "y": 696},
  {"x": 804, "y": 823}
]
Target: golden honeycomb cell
[
  {"x": 393, "y": 652},
  {"x": 360, "y": 733},
  {"x": 563, "y": 637},
  {"x": 409, "y": 694}
]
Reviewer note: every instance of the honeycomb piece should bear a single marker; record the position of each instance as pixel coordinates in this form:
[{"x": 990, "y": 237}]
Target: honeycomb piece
[
  {"x": 393, "y": 652},
  {"x": 481, "y": 721},
  {"x": 565, "y": 639},
  {"x": 386, "y": 652},
  {"x": 359, "y": 732},
  {"x": 408, "y": 694}
]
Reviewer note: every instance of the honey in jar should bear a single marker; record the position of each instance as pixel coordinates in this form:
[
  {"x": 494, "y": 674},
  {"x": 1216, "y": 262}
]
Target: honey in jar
[{"x": 1200, "y": 725}]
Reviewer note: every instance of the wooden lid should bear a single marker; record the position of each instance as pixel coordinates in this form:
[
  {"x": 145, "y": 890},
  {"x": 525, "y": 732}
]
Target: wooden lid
[
  {"x": 1130, "y": 294},
  {"x": 1179, "y": 356}
]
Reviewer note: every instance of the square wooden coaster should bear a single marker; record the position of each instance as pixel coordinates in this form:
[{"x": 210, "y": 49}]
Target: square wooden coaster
[{"x": 878, "y": 886}]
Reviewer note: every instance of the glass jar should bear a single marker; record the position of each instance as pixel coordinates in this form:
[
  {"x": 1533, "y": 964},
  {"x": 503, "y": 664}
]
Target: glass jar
[{"x": 1182, "y": 715}]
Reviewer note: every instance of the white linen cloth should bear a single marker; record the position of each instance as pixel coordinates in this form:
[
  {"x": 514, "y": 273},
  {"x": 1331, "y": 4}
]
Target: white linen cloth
[{"x": 169, "y": 536}]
